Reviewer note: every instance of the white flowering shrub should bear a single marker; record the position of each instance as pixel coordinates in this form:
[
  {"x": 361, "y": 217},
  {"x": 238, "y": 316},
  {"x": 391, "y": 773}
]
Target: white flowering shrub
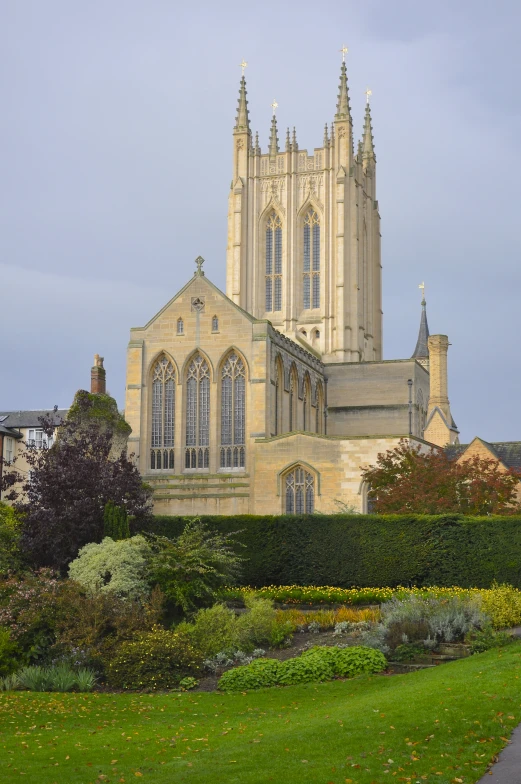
[{"x": 113, "y": 567}]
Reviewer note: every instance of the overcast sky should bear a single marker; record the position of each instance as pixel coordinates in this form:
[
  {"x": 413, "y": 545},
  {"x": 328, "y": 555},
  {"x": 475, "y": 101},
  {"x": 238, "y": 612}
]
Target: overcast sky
[{"x": 115, "y": 162}]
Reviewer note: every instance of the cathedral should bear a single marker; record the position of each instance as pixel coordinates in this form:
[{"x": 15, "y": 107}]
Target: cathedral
[{"x": 271, "y": 398}]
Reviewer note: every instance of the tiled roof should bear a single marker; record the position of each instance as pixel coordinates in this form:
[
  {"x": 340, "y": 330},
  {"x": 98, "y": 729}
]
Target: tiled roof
[
  {"x": 16, "y": 419},
  {"x": 509, "y": 452}
]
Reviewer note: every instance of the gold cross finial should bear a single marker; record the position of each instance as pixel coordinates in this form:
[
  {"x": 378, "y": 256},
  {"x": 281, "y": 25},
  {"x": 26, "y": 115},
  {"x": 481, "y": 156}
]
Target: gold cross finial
[
  {"x": 243, "y": 65},
  {"x": 368, "y": 94},
  {"x": 344, "y": 51},
  {"x": 274, "y": 105},
  {"x": 422, "y": 288}
]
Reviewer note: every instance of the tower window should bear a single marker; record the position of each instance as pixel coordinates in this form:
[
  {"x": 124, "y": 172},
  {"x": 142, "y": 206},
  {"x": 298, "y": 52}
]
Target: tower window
[
  {"x": 163, "y": 415},
  {"x": 311, "y": 266},
  {"x": 180, "y": 327},
  {"x": 300, "y": 492},
  {"x": 273, "y": 277},
  {"x": 197, "y": 452},
  {"x": 233, "y": 413}
]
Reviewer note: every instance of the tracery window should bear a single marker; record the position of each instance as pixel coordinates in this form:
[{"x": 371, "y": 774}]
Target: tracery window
[
  {"x": 163, "y": 415},
  {"x": 300, "y": 491},
  {"x": 273, "y": 277},
  {"x": 233, "y": 413},
  {"x": 311, "y": 267},
  {"x": 197, "y": 452}
]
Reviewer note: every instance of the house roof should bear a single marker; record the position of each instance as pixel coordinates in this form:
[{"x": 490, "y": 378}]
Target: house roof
[
  {"x": 17, "y": 419},
  {"x": 508, "y": 452}
]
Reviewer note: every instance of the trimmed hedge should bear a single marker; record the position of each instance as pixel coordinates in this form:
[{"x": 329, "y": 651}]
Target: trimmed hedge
[{"x": 370, "y": 550}]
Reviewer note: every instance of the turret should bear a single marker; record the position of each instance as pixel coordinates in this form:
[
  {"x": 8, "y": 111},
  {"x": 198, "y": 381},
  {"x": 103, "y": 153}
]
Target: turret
[
  {"x": 368, "y": 155},
  {"x": 343, "y": 121},
  {"x": 274, "y": 139},
  {"x": 421, "y": 352}
]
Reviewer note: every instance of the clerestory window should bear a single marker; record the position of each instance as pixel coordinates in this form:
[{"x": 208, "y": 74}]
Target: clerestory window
[
  {"x": 233, "y": 413},
  {"x": 273, "y": 273},
  {"x": 311, "y": 266},
  {"x": 163, "y": 415}
]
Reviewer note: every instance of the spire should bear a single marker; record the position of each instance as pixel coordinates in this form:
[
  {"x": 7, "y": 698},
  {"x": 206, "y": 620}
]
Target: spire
[
  {"x": 257, "y": 148},
  {"x": 288, "y": 142},
  {"x": 274, "y": 139},
  {"x": 368, "y": 142},
  {"x": 421, "y": 352},
  {"x": 294, "y": 140},
  {"x": 326, "y": 137},
  {"x": 359, "y": 153},
  {"x": 343, "y": 110},
  {"x": 242, "y": 121}
]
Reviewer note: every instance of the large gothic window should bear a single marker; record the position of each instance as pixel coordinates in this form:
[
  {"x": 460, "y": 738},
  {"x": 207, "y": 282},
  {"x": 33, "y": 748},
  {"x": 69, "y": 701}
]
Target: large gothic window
[
  {"x": 273, "y": 276},
  {"x": 163, "y": 415},
  {"x": 300, "y": 491},
  {"x": 197, "y": 453},
  {"x": 311, "y": 268},
  {"x": 233, "y": 413}
]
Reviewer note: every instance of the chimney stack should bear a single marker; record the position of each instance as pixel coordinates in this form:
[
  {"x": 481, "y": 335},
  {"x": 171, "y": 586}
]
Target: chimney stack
[
  {"x": 97, "y": 376},
  {"x": 438, "y": 348}
]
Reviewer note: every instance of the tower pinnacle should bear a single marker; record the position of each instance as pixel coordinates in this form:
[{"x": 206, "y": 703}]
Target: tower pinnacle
[
  {"x": 367, "y": 139},
  {"x": 421, "y": 352},
  {"x": 343, "y": 110},
  {"x": 242, "y": 121},
  {"x": 274, "y": 139}
]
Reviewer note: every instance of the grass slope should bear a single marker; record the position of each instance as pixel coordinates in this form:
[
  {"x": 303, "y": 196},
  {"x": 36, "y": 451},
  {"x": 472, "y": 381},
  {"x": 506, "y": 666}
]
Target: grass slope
[{"x": 441, "y": 725}]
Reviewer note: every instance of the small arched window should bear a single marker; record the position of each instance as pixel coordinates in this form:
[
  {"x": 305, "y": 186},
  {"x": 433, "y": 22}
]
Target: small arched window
[
  {"x": 319, "y": 411},
  {"x": 299, "y": 491},
  {"x": 311, "y": 266},
  {"x": 197, "y": 453},
  {"x": 180, "y": 327},
  {"x": 273, "y": 273},
  {"x": 163, "y": 415},
  {"x": 233, "y": 413},
  {"x": 215, "y": 324},
  {"x": 421, "y": 412}
]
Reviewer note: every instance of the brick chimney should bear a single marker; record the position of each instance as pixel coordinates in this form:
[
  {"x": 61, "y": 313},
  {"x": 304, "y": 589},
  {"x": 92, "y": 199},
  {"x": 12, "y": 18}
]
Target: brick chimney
[{"x": 97, "y": 376}]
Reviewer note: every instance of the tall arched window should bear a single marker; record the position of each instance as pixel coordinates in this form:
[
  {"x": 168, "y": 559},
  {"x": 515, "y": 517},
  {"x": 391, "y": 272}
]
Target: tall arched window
[
  {"x": 306, "y": 405},
  {"x": 233, "y": 413},
  {"x": 319, "y": 411},
  {"x": 197, "y": 453},
  {"x": 273, "y": 263},
  {"x": 163, "y": 415},
  {"x": 311, "y": 266},
  {"x": 300, "y": 491},
  {"x": 421, "y": 412},
  {"x": 293, "y": 387},
  {"x": 279, "y": 386}
]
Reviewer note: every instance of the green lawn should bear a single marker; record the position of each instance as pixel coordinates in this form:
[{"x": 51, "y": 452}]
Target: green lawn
[{"x": 441, "y": 725}]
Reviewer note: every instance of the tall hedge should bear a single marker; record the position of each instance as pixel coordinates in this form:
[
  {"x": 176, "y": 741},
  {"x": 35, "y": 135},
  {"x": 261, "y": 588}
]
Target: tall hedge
[{"x": 370, "y": 550}]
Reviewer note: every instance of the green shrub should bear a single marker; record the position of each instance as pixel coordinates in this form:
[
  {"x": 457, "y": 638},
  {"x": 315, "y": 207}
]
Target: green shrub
[
  {"x": 256, "y": 675},
  {"x": 9, "y": 653},
  {"x": 85, "y": 679},
  {"x": 115, "y": 521},
  {"x": 312, "y": 668},
  {"x": 11, "y": 559},
  {"x": 116, "y": 567},
  {"x": 502, "y": 603},
  {"x": 256, "y": 626},
  {"x": 484, "y": 639},
  {"x": 188, "y": 683},
  {"x": 350, "y": 662},
  {"x": 158, "y": 659},
  {"x": 370, "y": 550},
  {"x": 407, "y": 652},
  {"x": 212, "y": 630},
  {"x": 59, "y": 677}
]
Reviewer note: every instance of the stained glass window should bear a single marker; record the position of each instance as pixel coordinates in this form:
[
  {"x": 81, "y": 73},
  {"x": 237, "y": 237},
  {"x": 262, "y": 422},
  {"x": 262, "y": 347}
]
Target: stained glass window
[
  {"x": 311, "y": 262},
  {"x": 300, "y": 492},
  {"x": 273, "y": 279},
  {"x": 197, "y": 452},
  {"x": 233, "y": 413},
  {"x": 163, "y": 415}
]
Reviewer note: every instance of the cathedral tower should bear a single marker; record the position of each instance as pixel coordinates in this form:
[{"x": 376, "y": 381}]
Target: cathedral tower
[{"x": 304, "y": 234}]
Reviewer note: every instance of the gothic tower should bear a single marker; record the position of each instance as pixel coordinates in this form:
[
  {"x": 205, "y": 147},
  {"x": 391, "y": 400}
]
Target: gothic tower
[{"x": 304, "y": 235}]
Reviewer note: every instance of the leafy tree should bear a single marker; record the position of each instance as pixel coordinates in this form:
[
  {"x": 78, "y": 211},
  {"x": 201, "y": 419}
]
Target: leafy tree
[
  {"x": 408, "y": 479},
  {"x": 64, "y": 496},
  {"x": 115, "y": 521},
  {"x": 10, "y": 527},
  {"x": 118, "y": 567},
  {"x": 191, "y": 568}
]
